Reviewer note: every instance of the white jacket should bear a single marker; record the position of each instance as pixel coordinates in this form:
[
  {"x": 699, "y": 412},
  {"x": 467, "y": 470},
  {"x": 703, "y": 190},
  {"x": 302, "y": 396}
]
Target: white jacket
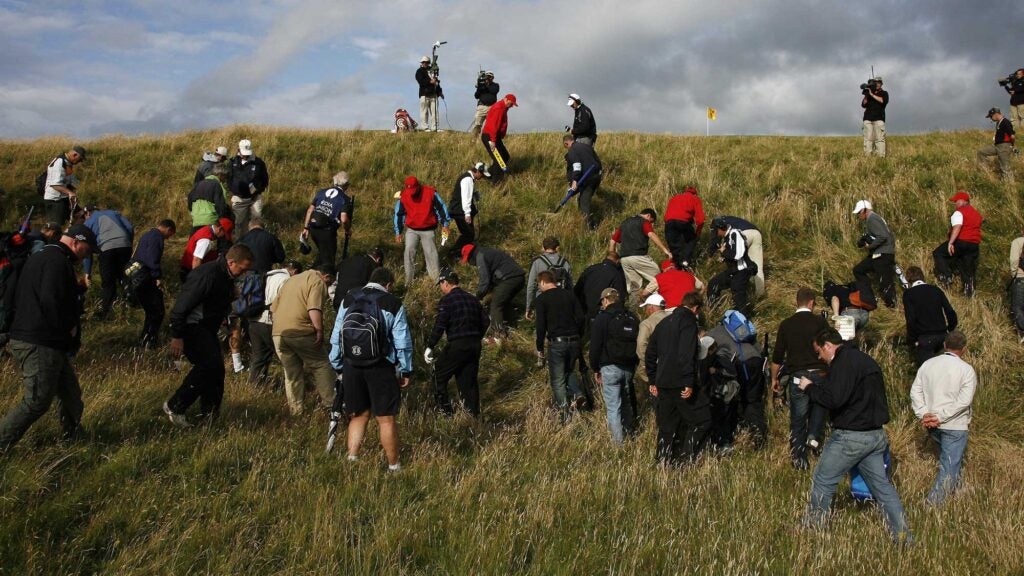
[{"x": 944, "y": 386}]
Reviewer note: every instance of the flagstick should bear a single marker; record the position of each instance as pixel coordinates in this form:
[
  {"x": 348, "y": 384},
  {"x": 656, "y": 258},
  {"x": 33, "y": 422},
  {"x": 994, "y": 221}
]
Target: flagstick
[{"x": 707, "y": 124}]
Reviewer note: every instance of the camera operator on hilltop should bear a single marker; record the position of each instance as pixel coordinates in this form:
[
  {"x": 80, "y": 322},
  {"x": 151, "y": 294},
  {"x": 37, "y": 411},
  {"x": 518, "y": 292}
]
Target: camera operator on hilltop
[
  {"x": 486, "y": 95},
  {"x": 1014, "y": 86},
  {"x": 874, "y": 103}
]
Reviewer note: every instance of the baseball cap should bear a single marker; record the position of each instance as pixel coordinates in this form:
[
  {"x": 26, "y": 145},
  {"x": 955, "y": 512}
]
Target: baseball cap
[
  {"x": 719, "y": 223},
  {"x": 82, "y": 233},
  {"x": 425, "y": 59},
  {"x": 992, "y": 111},
  {"x": 489, "y": 74},
  {"x": 960, "y": 195},
  {"x": 447, "y": 275},
  {"x": 861, "y": 206},
  {"x": 245, "y": 147},
  {"x": 608, "y": 292},
  {"x": 573, "y": 98},
  {"x": 222, "y": 150},
  {"x": 706, "y": 342},
  {"x": 481, "y": 168},
  {"x": 411, "y": 182},
  {"x": 666, "y": 264},
  {"x": 80, "y": 151},
  {"x": 466, "y": 251},
  {"x": 654, "y": 300},
  {"x": 512, "y": 97},
  {"x": 228, "y": 225}
]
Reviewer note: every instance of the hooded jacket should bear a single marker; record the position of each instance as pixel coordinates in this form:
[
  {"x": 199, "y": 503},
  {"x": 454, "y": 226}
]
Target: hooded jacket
[{"x": 419, "y": 207}]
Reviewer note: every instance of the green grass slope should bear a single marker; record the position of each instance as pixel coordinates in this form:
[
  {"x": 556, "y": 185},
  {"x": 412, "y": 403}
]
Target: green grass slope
[{"x": 515, "y": 493}]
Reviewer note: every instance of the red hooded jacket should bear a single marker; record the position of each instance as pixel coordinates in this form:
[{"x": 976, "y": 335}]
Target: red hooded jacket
[{"x": 497, "y": 121}]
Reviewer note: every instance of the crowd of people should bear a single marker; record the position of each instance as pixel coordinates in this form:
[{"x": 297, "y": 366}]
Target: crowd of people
[{"x": 705, "y": 380}]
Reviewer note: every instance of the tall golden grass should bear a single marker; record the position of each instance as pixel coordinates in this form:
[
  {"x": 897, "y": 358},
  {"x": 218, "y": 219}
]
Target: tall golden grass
[{"x": 516, "y": 492}]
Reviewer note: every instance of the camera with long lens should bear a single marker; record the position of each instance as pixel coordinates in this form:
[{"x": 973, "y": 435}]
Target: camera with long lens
[
  {"x": 481, "y": 79},
  {"x": 869, "y": 86},
  {"x": 866, "y": 240}
]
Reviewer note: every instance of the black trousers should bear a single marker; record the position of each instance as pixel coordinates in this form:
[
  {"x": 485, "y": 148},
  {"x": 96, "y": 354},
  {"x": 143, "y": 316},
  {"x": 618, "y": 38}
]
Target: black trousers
[
  {"x": 682, "y": 240},
  {"x": 58, "y": 211},
  {"x": 112, "y": 264},
  {"x": 151, "y": 298},
  {"x": 683, "y": 426},
  {"x": 964, "y": 259},
  {"x": 501, "y": 301},
  {"x": 737, "y": 280},
  {"x": 584, "y": 196},
  {"x": 460, "y": 359},
  {"x": 927, "y": 347},
  {"x": 499, "y": 146},
  {"x": 745, "y": 411},
  {"x": 326, "y": 240},
  {"x": 467, "y": 235},
  {"x": 884, "y": 268},
  {"x": 205, "y": 381},
  {"x": 260, "y": 336}
]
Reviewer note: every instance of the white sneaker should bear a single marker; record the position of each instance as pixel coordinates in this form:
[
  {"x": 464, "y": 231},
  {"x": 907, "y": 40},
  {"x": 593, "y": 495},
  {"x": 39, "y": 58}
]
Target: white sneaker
[{"x": 179, "y": 420}]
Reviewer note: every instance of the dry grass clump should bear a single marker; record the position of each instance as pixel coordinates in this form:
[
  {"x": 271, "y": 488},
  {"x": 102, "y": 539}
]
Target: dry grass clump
[{"x": 517, "y": 492}]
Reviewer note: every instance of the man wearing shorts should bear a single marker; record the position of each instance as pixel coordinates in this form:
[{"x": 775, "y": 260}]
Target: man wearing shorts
[{"x": 373, "y": 386}]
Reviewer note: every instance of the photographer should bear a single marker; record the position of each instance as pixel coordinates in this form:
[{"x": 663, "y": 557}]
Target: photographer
[
  {"x": 486, "y": 95},
  {"x": 880, "y": 244},
  {"x": 874, "y": 103},
  {"x": 583, "y": 129},
  {"x": 1001, "y": 146},
  {"x": 1014, "y": 86}
]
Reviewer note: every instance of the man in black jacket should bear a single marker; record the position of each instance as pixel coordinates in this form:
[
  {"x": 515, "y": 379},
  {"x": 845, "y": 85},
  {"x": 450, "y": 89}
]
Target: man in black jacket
[
  {"x": 683, "y": 410},
  {"x": 605, "y": 274},
  {"x": 1015, "y": 88},
  {"x": 461, "y": 317},
  {"x": 583, "y": 171},
  {"x": 584, "y": 129},
  {"x": 210, "y": 159},
  {"x": 249, "y": 178},
  {"x": 149, "y": 293},
  {"x": 45, "y": 334},
  {"x": 266, "y": 247},
  {"x": 486, "y": 95},
  {"x": 1001, "y": 146},
  {"x": 929, "y": 316},
  {"x": 560, "y": 324},
  {"x": 613, "y": 358},
  {"x": 854, "y": 394},
  {"x": 201, "y": 307},
  {"x": 354, "y": 272},
  {"x": 739, "y": 267},
  {"x": 874, "y": 102},
  {"x": 430, "y": 90},
  {"x": 500, "y": 276}
]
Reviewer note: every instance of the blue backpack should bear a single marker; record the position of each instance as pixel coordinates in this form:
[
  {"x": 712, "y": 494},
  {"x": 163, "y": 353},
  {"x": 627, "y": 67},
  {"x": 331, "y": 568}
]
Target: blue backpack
[
  {"x": 741, "y": 329},
  {"x": 252, "y": 297},
  {"x": 859, "y": 487},
  {"x": 365, "y": 337}
]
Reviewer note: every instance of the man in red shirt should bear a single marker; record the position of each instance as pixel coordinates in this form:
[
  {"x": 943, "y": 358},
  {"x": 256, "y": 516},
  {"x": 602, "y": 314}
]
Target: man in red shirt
[
  {"x": 202, "y": 245},
  {"x": 673, "y": 283},
  {"x": 961, "y": 249},
  {"x": 684, "y": 219},
  {"x": 494, "y": 132},
  {"x": 419, "y": 210}
]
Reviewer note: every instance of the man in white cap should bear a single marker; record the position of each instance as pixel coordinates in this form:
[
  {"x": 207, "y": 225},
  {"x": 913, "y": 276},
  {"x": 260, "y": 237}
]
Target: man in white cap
[
  {"x": 486, "y": 95},
  {"x": 249, "y": 179},
  {"x": 880, "y": 260},
  {"x": 430, "y": 90},
  {"x": 210, "y": 159},
  {"x": 654, "y": 308},
  {"x": 584, "y": 129}
]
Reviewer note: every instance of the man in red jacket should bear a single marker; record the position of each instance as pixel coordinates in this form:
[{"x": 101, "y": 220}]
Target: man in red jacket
[
  {"x": 202, "y": 245},
  {"x": 673, "y": 283},
  {"x": 684, "y": 219},
  {"x": 419, "y": 210},
  {"x": 961, "y": 249},
  {"x": 494, "y": 132}
]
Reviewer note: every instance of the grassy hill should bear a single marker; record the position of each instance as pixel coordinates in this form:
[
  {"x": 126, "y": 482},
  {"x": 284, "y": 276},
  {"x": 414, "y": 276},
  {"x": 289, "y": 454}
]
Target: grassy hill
[{"x": 515, "y": 493}]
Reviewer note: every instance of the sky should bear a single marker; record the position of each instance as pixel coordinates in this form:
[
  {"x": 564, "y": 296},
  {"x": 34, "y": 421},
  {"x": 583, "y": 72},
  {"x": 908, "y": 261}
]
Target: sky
[{"x": 93, "y": 67}]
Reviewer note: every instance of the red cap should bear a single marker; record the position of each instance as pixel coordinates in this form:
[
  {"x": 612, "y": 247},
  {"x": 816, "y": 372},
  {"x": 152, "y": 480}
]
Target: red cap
[
  {"x": 691, "y": 190},
  {"x": 227, "y": 225},
  {"x": 511, "y": 97},
  {"x": 960, "y": 195},
  {"x": 411, "y": 182},
  {"x": 667, "y": 264},
  {"x": 466, "y": 251}
]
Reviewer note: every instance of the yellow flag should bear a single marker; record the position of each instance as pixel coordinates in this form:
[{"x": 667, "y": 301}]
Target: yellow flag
[{"x": 712, "y": 114}]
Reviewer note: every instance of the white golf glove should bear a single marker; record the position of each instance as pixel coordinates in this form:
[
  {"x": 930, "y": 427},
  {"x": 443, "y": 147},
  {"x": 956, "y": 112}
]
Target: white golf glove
[{"x": 428, "y": 356}]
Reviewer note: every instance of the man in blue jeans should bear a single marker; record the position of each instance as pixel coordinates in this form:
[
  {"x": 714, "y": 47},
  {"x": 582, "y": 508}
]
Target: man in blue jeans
[
  {"x": 613, "y": 355},
  {"x": 560, "y": 321},
  {"x": 941, "y": 397},
  {"x": 854, "y": 394}
]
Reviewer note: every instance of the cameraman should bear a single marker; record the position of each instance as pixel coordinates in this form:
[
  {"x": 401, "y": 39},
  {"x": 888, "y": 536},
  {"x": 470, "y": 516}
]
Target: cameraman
[
  {"x": 874, "y": 103},
  {"x": 1014, "y": 86},
  {"x": 486, "y": 95}
]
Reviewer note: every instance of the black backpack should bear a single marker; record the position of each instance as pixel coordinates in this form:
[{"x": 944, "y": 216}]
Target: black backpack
[
  {"x": 559, "y": 269},
  {"x": 620, "y": 345},
  {"x": 365, "y": 338},
  {"x": 14, "y": 251}
]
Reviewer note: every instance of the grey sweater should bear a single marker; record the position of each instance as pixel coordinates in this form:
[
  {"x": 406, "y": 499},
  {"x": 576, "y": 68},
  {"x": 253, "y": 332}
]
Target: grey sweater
[{"x": 885, "y": 241}]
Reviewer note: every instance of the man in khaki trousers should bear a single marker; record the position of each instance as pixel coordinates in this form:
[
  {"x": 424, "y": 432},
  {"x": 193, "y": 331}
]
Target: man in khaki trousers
[{"x": 298, "y": 335}]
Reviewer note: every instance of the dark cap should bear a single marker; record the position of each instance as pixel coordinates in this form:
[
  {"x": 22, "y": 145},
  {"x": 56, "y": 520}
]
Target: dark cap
[
  {"x": 447, "y": 275},
  {"x": 992, "y": 111},
  {"x": 80, "y": 151},
  {"x": 326, "y": 268},
  {"x": 719, "y": 223},
  {"x": 82, "y": 233}
]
